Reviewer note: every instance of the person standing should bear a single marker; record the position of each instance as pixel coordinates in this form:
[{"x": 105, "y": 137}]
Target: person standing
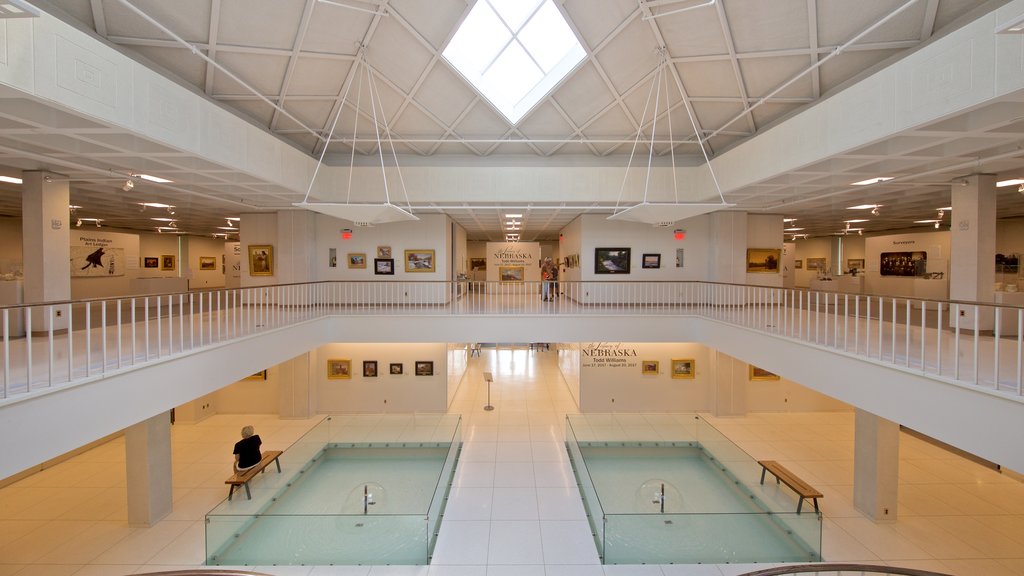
[{"x": 547, "y": 274}]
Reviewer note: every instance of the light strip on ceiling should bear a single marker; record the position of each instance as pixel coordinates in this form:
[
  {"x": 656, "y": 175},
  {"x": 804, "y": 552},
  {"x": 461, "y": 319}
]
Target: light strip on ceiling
[
  {"x": 18, "y": 9},
  {"x": 871, "y": 181},
  {"x": 1012, "y": 182},
  {"x": 10, "y": 179},
  {"x": 156, "y": 179}
]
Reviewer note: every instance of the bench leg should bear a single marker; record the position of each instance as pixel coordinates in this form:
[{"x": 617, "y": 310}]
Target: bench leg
[
  {"x": 763, "y": 470},
  {"x": 230, "y": 492},
  {"x": 278, "y": 462},
  {"x": 800, "y": 505},
  {"x": 816, "y": 505},
  {"x": 248, "y": 496}
]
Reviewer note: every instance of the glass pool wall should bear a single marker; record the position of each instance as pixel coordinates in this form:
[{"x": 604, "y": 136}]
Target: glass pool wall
[
  {"x": 359, "y": 489},
  {"x": 715, "y": 509}
]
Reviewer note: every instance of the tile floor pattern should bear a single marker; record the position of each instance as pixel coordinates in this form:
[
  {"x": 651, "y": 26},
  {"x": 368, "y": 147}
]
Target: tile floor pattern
[{"x": 514, "y": 507}]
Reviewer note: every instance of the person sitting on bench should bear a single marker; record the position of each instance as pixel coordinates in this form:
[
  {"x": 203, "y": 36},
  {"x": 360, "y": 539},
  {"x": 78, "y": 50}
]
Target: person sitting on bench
[{"x": 247, "y": 450}]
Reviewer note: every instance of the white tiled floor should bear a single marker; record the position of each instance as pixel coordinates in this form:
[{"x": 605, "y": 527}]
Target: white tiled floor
[{"x": 514, "y": 508}]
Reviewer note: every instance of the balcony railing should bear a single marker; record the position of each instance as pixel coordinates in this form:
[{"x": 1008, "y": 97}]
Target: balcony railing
[{"x": 56, "y": 343}]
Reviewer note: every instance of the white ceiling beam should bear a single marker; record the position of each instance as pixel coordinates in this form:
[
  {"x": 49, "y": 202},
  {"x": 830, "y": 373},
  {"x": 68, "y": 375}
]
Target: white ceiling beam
[
  {"x": 228, "y": 48},
  {"x": 928, "y": 23},
  {"x": 730, "y": 45},
  {"x": 211, "y": 46},
  {"x": 99, "y": 19},
  {"x": 867, "y": 47},
  {"x": 812, "y": 35},
  {"x": 293, "y": 59}
]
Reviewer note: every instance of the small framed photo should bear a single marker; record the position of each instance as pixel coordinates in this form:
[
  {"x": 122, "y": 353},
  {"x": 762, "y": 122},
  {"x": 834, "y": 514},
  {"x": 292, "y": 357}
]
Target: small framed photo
[
  {"x": 683, "y": 368},
  {"x": 150, "y": 262},
  {"x": 651, "y": 261},
  {"x": 261, "y": 260},
  {"x": 763, "y": 260},
  {"x": 356, "y": 260},
  {"x": 261, "y": 375},
  {"x": 369, "y": 368},
  {"x": 649, "y": 367},
  {"x": 478, "y": 263},
  {"x": 511, "y": 274},
  {"x": 424, "y": 367},
  {"x": 798, "y": 264},
  {"x": 385, "y": 266},
  {"x": 332, "y": 257},
  {"x": 854, "y": 263},
  {"x": 419, "y": 260},
  {"x": 397, "y": 368},
  {"x": 816, "y": 263},
  {"x": 680, "y": 257},
  {"x": 168, "y": 262},
  {"x": 611, "y": 260},
  {"x": 207, "y": 262},
  {"x": 383, "y": 251},
  {"x": 339, "y": 368},
  {"x": 761, "y": 374}
]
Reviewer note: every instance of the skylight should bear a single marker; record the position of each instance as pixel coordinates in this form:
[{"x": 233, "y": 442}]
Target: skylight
[{"x": 514, "y": 52}]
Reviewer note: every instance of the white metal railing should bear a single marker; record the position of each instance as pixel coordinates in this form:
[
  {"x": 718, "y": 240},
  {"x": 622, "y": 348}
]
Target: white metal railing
[{"x": 70, "y": 341}]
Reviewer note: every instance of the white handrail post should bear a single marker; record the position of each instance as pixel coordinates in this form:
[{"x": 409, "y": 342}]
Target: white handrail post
[
  {"x": 49, "y": 347},
  {"x": 103, "y": 337},
  {"x": 88, "y": 339},
  {"x": 7, "y": 353},
  {"x": 159, "y": 328},
  {"x": 119, "y": 343},
  {"x": 976, "y": 339},
  {"x": 145, "y": 323},
  {"x": 134, "y": 351}
]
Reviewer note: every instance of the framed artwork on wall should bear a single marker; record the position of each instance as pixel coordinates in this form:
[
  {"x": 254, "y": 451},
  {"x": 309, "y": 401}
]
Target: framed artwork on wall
[
  {"x": 761, "y": 374},
  {"x": 649, "y": 367},
  {"x": 339, "y": 368},
  {"x": 683, "y": 368},
  {"x": 903, "y": 263},
  {"x": 511, "y": 274},
  {"x": 680, "y": 257},
  {"x": 424, "y": 367},
  {"x": 816, "y": 263},
  {"x": 419, "y": 260},
  {"x": 261, "y": 260},
  {"x": 763, "y": 260},
  {"x": 798, "y": 264},
  {"x": 207, "y": 262},
  {"x": 356, "y": 260},
  {"x": 261, "y": 375},
  {"x": 369, "y": 368},
  {"x": 150, "y": 262},
  {"x": 332, "y": 257},
  {"x": 397, "y": 368},
  {"x": 384, "y": 266},
  {"x": 478, "y": 263},
  {"x": 854, "y": 263},
  {"x": 611, "y": 260},
  {"x": 383, "y": 251},
  {"x": 168, "y": 262},
  {"x": 651, "y": 261}
]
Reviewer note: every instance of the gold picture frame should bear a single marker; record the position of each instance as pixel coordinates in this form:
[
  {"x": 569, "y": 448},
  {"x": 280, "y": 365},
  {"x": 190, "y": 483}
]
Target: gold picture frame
[
  {"x": 511, "y": 274},
  {"x": 207, "y": 262},
  {"x": 261, "y": 260},
  {"x": 649, "y": 366},
  {"x": 356, "y": 260},
  {"x": 764, "y": 260},
  {"x": 339, "y": 369},
  {"x": 762, "y": 374},
  {"x": 168, "y": 262},
  {"x": 261, "y": 375},
  {"x": 684, "y": 368},
  {"x": 419, "y": 260}
]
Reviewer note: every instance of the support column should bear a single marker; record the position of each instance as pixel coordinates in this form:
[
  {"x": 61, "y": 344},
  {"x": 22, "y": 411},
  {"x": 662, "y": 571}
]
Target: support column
[
  {"x": 876, "y": 465},
  {"x": 296, "y": 238},
  {"x": 148, "y": 461},
  {"x": 729, "y": 248},
  {"x": 294, "y": 387},
  {"x": 728, "y": 376},
  {"x": 973, "y": 247},
  {"x": 46, "y": 244}
]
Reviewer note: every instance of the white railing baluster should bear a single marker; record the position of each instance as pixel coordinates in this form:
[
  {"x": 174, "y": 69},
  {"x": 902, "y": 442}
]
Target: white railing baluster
[
  {"x": 906, "y": 346},
  {"x": 88, "y": 339},
  {"x": 145, "y": 323},
  {"x": 924, "y": 315},
  {"x": 7, "y": 352},
  {"x": 956, "y": 342},
  {"x": 996, "y": 346},
  {"x": 975, "y": 342},
  {"x": 119, "y": 344},
  {"x": 181, "y": 322},
  {"x": 103, "y": 337},
  {"x": 71, "y": 345},
  {"x": 938, "y": 338},
  {"x": 134, "y": 336},
  {"x": 49, "y": 346},
  {"x": 881, "y": 326},
  {"x": 892, "y": 352},
  {"x": 867, "y": 328},
  {"x": 1020, "y": 347},
  {"x": 159, "y": 328}
]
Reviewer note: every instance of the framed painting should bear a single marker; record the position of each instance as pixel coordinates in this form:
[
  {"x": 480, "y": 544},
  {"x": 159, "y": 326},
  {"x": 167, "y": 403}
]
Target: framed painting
[
  {"x": 207, "y": 262},
  {"x": 903, "y": 263},
  {"x": 332, "y": 257},
  {"x": 683, "y": 368},
  {"x": 384, "y": 266},
  {"x": 261, "y": 260},
  {"x": 419, "y": 260},
  {"x": 424, "y": 367},
  {"x": 383, "y": 251},
  {"x": 356, "y": 260},
  {"x": 478, "y": 263},
  {"x": 798, "y": 264},
  {"x": 854, "y": 263},
  {"x": 511, "y": 274},
  {"x": 397, "y": 368},
  {"x": 649, "y": 367},
  {"x": 611, "y": 260},
  {"x": 369, "y": 368},
  {"x": 763, "y": 260},
  {"x": 680, "y": 257},
  {"x": 761, "y": 374},
  {"x": 168, "y": 262},
  {"x": 651, "y": 261},
  {"x": 339, "y": 368},
  {"x": 150, "y": 262},
  {"x": 261, "y": 375}
]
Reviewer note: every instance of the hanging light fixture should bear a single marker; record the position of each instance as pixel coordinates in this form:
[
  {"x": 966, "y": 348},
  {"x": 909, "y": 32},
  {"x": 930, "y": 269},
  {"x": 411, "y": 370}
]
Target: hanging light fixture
[
  {"x": 664, "y": 213},
  {"x": 363, "y": 213}
]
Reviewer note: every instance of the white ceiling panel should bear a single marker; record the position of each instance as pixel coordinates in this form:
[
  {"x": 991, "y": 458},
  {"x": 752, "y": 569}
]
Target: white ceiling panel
[
  {"x": 246, "y": 23},
  {"x": 434, "y": 20},
  {"x": 630, "y": 56},
  {"x": 318, "y": 77},
  {"x": 263, "y": 73},
  {"x": 584, "y": 94},
  {"x": 189, "y": 19},
  {"x": 335, "y": 30},
  {"x": 709, "y": 79},
  {"x": 444, "y": 93},
  {"x": 596, "y": 20},
  {"x": 759, "y": 26},
  {"x": 179, "y": 61},
  {"x": 545, "y": 122},
  {"x": 404, "y": 59},
  {"x": 693, "y": 33},
  {"x": 761, "y": 78}
]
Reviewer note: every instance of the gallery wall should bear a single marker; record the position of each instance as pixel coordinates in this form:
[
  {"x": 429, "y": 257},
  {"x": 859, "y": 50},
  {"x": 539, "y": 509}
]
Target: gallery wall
[{"x": 386, "y": 392}]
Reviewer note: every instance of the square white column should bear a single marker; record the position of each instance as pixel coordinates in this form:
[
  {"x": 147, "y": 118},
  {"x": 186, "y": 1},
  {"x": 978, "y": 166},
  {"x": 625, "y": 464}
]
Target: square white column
[
  {"x": 148, "y": 461},
  {"x": 876, "y": 466}
]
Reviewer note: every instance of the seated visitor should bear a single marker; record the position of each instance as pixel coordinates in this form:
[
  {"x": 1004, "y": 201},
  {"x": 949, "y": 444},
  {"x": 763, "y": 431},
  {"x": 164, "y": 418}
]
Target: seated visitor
[{"x": 247, "y": 450}]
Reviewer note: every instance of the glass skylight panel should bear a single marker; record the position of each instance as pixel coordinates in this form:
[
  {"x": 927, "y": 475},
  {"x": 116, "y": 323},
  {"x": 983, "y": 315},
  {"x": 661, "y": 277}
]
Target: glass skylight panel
[{"x": 514, "y": 52}]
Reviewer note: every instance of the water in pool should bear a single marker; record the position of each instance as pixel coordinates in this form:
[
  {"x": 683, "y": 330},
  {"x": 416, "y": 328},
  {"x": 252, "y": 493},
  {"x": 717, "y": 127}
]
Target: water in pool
[
  {"x": 319, "y": 519},
  {"x": 673, "y": 504}
]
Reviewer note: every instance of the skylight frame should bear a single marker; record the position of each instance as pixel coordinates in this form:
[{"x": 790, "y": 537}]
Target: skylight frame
[{"x": 514, "y": 110}]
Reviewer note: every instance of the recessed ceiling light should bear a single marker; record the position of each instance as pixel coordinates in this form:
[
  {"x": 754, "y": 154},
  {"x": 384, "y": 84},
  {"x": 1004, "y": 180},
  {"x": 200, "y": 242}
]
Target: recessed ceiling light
[
  {"x": 863, "y": 207},
  {"x": 226, "y": 228},
  {"x": 1012, "y": 182},
  {"x": 156, "y": 179},
  {"x": 932, "y": 221},
  {"x": 73, "y": 206},
  {"x": 857, "y": 220},
  {"x": 792, "y": 229},
  {"x": 945, "y": 208},
  {"x": 789, "y": 219},
  {"x": 163, "y": 219},
  {"x": 513, "y": 215},
  {"x": 870, "y": 181},
  {"x": 155, "y": 205},
  {"x": 10, "y": 179}
]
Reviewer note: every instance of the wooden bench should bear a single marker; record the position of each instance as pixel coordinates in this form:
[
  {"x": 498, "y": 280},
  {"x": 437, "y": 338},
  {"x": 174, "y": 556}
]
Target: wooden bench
[
  {"x": 803, "y": 489},
  {"x": 242, "y": 478}
]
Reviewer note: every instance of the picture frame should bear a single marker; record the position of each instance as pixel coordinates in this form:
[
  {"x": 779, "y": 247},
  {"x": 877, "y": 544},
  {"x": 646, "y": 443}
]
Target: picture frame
[
  {"x": 419, "y": 260},
  {"x": 798, "y": 264},
  {"x": 261, "y": 375},
  {"x": 761, "y": 374},
  {"x": 151, "y": 262},
  {"x": 261, "y": 260},
  {"x": 910, "y": 263},
  {"x": 650, "y": 261},
  {"x": 854, "y": 263},
  {"x": 168, "y": 262},
  {"x": 763, "y": 260},
  {"x": 339, "y": 369},
  {"x": 478, "y": 263},
  {"x": 680, "y": 257},
  {"x": 649, "y": 366},
  {"x": 396, "y": 369},
  {"x": 383, "y": 251},
  {"x": 332, "y": 257},
  {"x": 684, "y": 368},
  {"x": 384, "y": 266},
  {"x": 611, "y": 260},
  {"x": 424, "y": 367},
  {"x": 207, "y": 262},
  {"x": 511, "y": 274},
  {"x": 369, "y": 368},
  {"x": 816, "y": 263},
  {"x": 356, "y": 260}
]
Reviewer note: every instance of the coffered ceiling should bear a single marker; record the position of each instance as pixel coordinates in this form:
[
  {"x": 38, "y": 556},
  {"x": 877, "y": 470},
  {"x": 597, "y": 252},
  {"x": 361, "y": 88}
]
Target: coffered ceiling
[{"x": 735, "y": 68}]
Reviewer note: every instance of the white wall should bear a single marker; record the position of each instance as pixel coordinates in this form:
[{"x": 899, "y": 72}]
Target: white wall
[
  {"x": 385, "y": 393},
  {"x": 10, "y": 245},
  {"x": 209, "y": 248},
  {"x": 430, "y": 232},
  {"x": 250, "y": 396},
  {"x": 811, "y": 248},
  {"x": 103, "y": 286},
  {"x": 765, "y": 231},
  {"x": 258, "y": 230},
  {"x": 936, "y": 244},
  {"x": 458, "y": 363},
  {"x": 613, "y": 383},
  {"x": 156, "y": 246}
]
